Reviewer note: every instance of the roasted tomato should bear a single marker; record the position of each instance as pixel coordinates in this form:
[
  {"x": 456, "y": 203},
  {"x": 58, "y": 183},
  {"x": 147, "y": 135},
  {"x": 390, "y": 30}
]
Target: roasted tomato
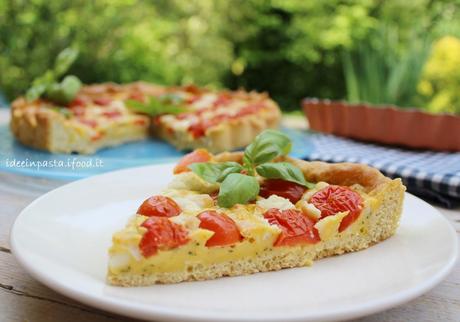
[
  {"x": 225, "y": 230},
  {"x": 78, "y": 101},
  {"x": 102, "y": 101},
  {"x": 296, "y": 228},
  {"x": 162, "y": 234},
  {"x": 282, "y": 188},
  {"x": 199, "y": 155},
  {"x": 88, "y": 122},
  {"x": 250, "y": 109},
  {"x": 334, "y": 199},
  {"x": 137, "y": 96},
  {"x": 159, "y": 206},
  {"x": 193, "y": 89},
  {"x": 111, "y": 114},
  {"x": 199, "y": 128},
  {"x": 223, "y": 99}
]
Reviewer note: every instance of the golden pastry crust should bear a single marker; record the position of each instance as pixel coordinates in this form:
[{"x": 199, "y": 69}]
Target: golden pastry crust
[
  {"x": 378, "y": 223},
  {"x": 31, "y": 129}
]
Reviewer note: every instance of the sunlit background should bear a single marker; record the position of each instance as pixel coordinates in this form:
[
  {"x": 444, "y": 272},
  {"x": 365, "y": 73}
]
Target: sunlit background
[{"x": 400, "y": 52}]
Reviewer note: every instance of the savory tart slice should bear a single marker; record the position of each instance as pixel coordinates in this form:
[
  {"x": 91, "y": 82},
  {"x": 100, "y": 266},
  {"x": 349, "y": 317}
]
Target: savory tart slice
[
  {"x": 95, "y": 118},
  {"x": 241, "y": 213},
  {"x": 65, "y": 117}
]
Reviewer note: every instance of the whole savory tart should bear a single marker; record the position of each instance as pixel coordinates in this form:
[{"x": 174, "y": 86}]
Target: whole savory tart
[
  {"x": 65, "y": 117},
  {"x": 253, "y": 211}
]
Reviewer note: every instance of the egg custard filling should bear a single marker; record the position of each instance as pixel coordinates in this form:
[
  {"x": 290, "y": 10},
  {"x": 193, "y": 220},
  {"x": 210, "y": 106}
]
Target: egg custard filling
[{"x": 242, "y": 213}]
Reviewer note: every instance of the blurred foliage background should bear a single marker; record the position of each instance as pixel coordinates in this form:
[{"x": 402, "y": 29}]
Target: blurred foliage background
[{"x": 399, "y": 52}]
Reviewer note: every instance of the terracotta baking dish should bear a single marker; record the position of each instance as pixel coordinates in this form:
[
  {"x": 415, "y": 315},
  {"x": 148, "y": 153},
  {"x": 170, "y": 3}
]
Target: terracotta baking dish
[{"x": 384, "y": 124}]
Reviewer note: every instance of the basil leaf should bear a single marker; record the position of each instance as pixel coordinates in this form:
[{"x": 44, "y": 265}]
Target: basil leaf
[
  {"x": 65, "y": 91},
  {"x": 137, "y": 106},
  {"x": 153, "y": 107},
  {"x": 237, "y": 188},
  {"x": 215, "y": 172},
  {"x": 40, "y": 85},
  {"x": 266, "y": 146},
  {"x": 64, "y": 60},
  {"x": 285, "y": 171},
  {"x": 35, "y": 92},
  {"x": 47, "y": 83}
]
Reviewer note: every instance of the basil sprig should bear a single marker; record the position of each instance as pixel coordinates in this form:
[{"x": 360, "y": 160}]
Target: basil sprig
[
  {"x": 215, "y": 172},
  {"x": 238, "y": 182},
  {"x": 285, "y": 171},
  {"x": 155, "y": 106},
  {"x": 266, "y": 146},
  {"x": 65, "y": 91},
  {"x": 48, "y": 84}
]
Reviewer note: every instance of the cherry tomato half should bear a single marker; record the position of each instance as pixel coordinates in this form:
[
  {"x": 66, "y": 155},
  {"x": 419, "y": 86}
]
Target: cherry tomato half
[
  {"x": 334, "y": 199},
  {"x": 159, "y": 206},
  {"x": 296, "y": 228},
  {"x": 137, "y": 96},
  {"x": 199, "y": 128},
  {"x": 225, "y": 230},
  {"x": 199, "y": 155},
  {"x": 91, "y": 123},
  {"x": 282, "y": 188},
  {"x": 111, "y": 114},
  {"x": 161, "y": 234},
  {"x": 78, "y": 101},
  {"x": 103, "y": 101}
]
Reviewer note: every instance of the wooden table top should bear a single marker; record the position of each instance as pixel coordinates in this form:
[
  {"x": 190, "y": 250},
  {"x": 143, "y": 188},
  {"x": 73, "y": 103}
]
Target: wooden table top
[{"x": 24, "y": 299}]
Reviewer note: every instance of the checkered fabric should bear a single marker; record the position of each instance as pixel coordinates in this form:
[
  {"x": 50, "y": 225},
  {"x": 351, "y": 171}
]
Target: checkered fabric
[{"x": 424, "y": 170}]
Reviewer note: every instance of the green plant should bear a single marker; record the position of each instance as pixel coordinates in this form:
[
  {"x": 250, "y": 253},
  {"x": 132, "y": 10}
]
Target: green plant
[
  {"x": 379, "y": 71},
  {"x": 290, "y": 48},
  {"x": 167, "y": 42}
]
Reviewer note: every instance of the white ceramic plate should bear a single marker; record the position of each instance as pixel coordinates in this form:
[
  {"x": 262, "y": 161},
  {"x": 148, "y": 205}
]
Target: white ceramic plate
[{"x": 62, "y": 240}]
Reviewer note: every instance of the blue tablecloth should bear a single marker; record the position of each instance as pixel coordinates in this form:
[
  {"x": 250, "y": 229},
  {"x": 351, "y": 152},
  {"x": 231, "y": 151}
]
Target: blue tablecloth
[{"x": 17, "y": 158}]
